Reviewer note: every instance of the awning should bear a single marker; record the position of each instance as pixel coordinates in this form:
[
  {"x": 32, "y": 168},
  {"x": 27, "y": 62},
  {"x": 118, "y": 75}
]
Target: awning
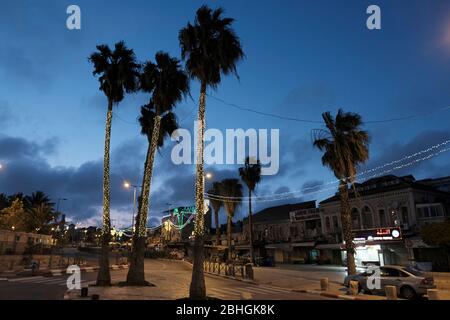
[
  {"x": 335, "y": 246},
  {"x": 304, "y": 244}
]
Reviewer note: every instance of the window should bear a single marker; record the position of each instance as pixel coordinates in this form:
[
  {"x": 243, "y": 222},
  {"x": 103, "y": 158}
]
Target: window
[
  {"x": 367, "y": 218},
  {"x": 335, "y": 223},
  {"x": 355, "y": 219},
  {"x": 405, "y": 218},
  {"x": 388, "y": 272},
  {"x": 382, "y": 215},
  {"x": 327, "y": 223}
]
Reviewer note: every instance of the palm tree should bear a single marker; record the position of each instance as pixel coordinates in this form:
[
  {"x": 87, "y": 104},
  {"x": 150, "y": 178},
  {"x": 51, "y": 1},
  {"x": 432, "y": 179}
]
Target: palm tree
[
  {"x": 216, "y": 204},
  {"x": 40, "y": 213},
  {"x": 210, "y": 48},
  {"x": 168, "y": 84},
  {"x": 118, "y": 74},
  {"x": 231, "y": 192},
  {"x": 251, "y": 175},
  {"x": 345, "y": 146}
]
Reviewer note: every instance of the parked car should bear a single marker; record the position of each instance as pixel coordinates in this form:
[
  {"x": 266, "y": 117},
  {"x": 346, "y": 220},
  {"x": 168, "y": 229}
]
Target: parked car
[{"x": 410, "y": 282}]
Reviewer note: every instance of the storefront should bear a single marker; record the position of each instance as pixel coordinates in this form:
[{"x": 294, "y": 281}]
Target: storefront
[{"x": 379, "y": 247}]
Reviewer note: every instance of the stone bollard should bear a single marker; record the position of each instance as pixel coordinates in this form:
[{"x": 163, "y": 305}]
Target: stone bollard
[
  {"x": 354, "y": 287},
  {"x": 391, "y": 292},
  {"x": 246, "y": 296},
  {"x": 433, "y": 294},
  {"x": 249, "y": 271},
  {"x": 324, "y": 284},
  {"x": 84, "y": 292}
]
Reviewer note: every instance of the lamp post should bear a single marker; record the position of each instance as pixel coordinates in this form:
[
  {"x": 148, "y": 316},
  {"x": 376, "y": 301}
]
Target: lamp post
[{"x": 128, "y": 185}]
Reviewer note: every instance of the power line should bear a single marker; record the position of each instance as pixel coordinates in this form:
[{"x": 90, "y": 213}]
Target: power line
[{"x": 273, "y": 115}]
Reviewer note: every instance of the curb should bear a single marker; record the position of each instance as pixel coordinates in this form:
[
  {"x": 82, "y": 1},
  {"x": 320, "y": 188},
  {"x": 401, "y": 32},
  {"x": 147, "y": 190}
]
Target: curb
[{"x": 331, "y": 295}]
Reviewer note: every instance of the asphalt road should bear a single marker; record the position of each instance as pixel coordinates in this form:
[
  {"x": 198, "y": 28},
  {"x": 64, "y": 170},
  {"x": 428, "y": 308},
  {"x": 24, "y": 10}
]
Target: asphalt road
[{"x": 164, "y": 274}]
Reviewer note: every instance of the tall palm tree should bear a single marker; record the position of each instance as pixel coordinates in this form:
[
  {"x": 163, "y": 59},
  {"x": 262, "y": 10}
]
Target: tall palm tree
[
  {"x": 231, "y": 191},
  {"x": 168, "y": 84},
  {"x": 118, "y": 74},
  {"x": 345, "y": 146},
  {"x": 251, "y": 175},
  {"x": 210, "y": 48},
  {"x": 216, "y": 205}
]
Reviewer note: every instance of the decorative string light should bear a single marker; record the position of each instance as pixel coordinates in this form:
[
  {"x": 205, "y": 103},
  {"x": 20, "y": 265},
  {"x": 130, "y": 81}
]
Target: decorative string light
[
  {"x": 424, "y": 151},
  {"x": 286, "y": 197}
]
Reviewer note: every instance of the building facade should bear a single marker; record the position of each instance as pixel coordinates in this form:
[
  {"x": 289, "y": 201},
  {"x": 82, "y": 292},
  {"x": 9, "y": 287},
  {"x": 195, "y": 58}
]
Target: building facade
[
  {"x": 12, "y": 242},
  {"x": 383, "y": 205}
]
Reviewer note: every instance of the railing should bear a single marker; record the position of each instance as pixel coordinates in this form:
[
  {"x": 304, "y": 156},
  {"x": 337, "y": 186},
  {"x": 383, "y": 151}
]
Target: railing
[{"x": 229, "y": 269}]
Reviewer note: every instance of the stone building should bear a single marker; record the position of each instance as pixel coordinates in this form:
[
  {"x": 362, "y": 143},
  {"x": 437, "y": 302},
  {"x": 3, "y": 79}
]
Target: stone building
[{"x": 383, "y": 205}]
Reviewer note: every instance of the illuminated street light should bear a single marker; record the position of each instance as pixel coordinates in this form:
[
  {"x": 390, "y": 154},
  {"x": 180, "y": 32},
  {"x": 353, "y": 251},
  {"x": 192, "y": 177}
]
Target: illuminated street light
[
  {"x": 1, "y": 166},
  {"x": 13, "y": 227},
  {"x": 208, "y": 175},
  {"x": 128, "y": 185}
]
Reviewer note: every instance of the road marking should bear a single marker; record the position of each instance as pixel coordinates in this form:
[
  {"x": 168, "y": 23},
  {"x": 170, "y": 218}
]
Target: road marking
[
  {"x": 275, "y": 289},
  {"x": 3, "y": 279},
  {"x": 220, "y": 293},
  {"x": 259, "y": 290},
  {"x": 25, "y": 279}
]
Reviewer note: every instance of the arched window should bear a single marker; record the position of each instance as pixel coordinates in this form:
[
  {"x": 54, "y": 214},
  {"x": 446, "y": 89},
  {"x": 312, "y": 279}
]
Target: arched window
[
  {"x": 367, "y": 218},
  {"x": 356, "y": 219}
]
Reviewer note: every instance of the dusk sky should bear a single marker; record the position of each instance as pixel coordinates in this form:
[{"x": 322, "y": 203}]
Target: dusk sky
[{"x": 302, "y": 58}]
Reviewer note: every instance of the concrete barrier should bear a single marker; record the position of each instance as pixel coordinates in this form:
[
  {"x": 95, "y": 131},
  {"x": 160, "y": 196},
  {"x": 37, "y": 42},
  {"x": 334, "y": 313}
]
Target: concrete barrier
[
  {"x": 324, "y": 284},
  {"x": 391, "y": 292},
  {"x": 354, "y": 287}
]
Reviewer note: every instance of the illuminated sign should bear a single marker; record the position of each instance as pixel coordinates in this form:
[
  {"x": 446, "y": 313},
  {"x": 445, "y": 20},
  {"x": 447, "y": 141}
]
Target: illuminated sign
[
  {"x": 377, "y": 235},
  {"x": 305, "y": 214}
]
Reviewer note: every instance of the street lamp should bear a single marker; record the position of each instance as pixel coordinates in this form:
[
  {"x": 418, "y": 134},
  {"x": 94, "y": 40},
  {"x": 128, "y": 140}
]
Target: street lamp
[
  {"x": 208, "y": 175},
  {"x": 128, "y": 185},
  {"x": 1, "y": 166}
]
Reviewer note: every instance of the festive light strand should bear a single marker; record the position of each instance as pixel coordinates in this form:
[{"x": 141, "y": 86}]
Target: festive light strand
[
  {"x": 213, "y": 197},
  {"x": 437, "y": 146}
]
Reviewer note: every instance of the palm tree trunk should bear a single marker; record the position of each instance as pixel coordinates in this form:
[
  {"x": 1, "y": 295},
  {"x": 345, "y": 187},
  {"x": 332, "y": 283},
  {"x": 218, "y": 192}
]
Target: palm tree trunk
[
  {"x": 104, "y": 276},
  {"x": 346, "y": 220},
  {"x": 250, "y": 225},
  {"x": 197, "y": 288},
  {"x": 229, "y": 236},
  {"x": 216, "y": 218},
  {"x": 136, "y": 273}
]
